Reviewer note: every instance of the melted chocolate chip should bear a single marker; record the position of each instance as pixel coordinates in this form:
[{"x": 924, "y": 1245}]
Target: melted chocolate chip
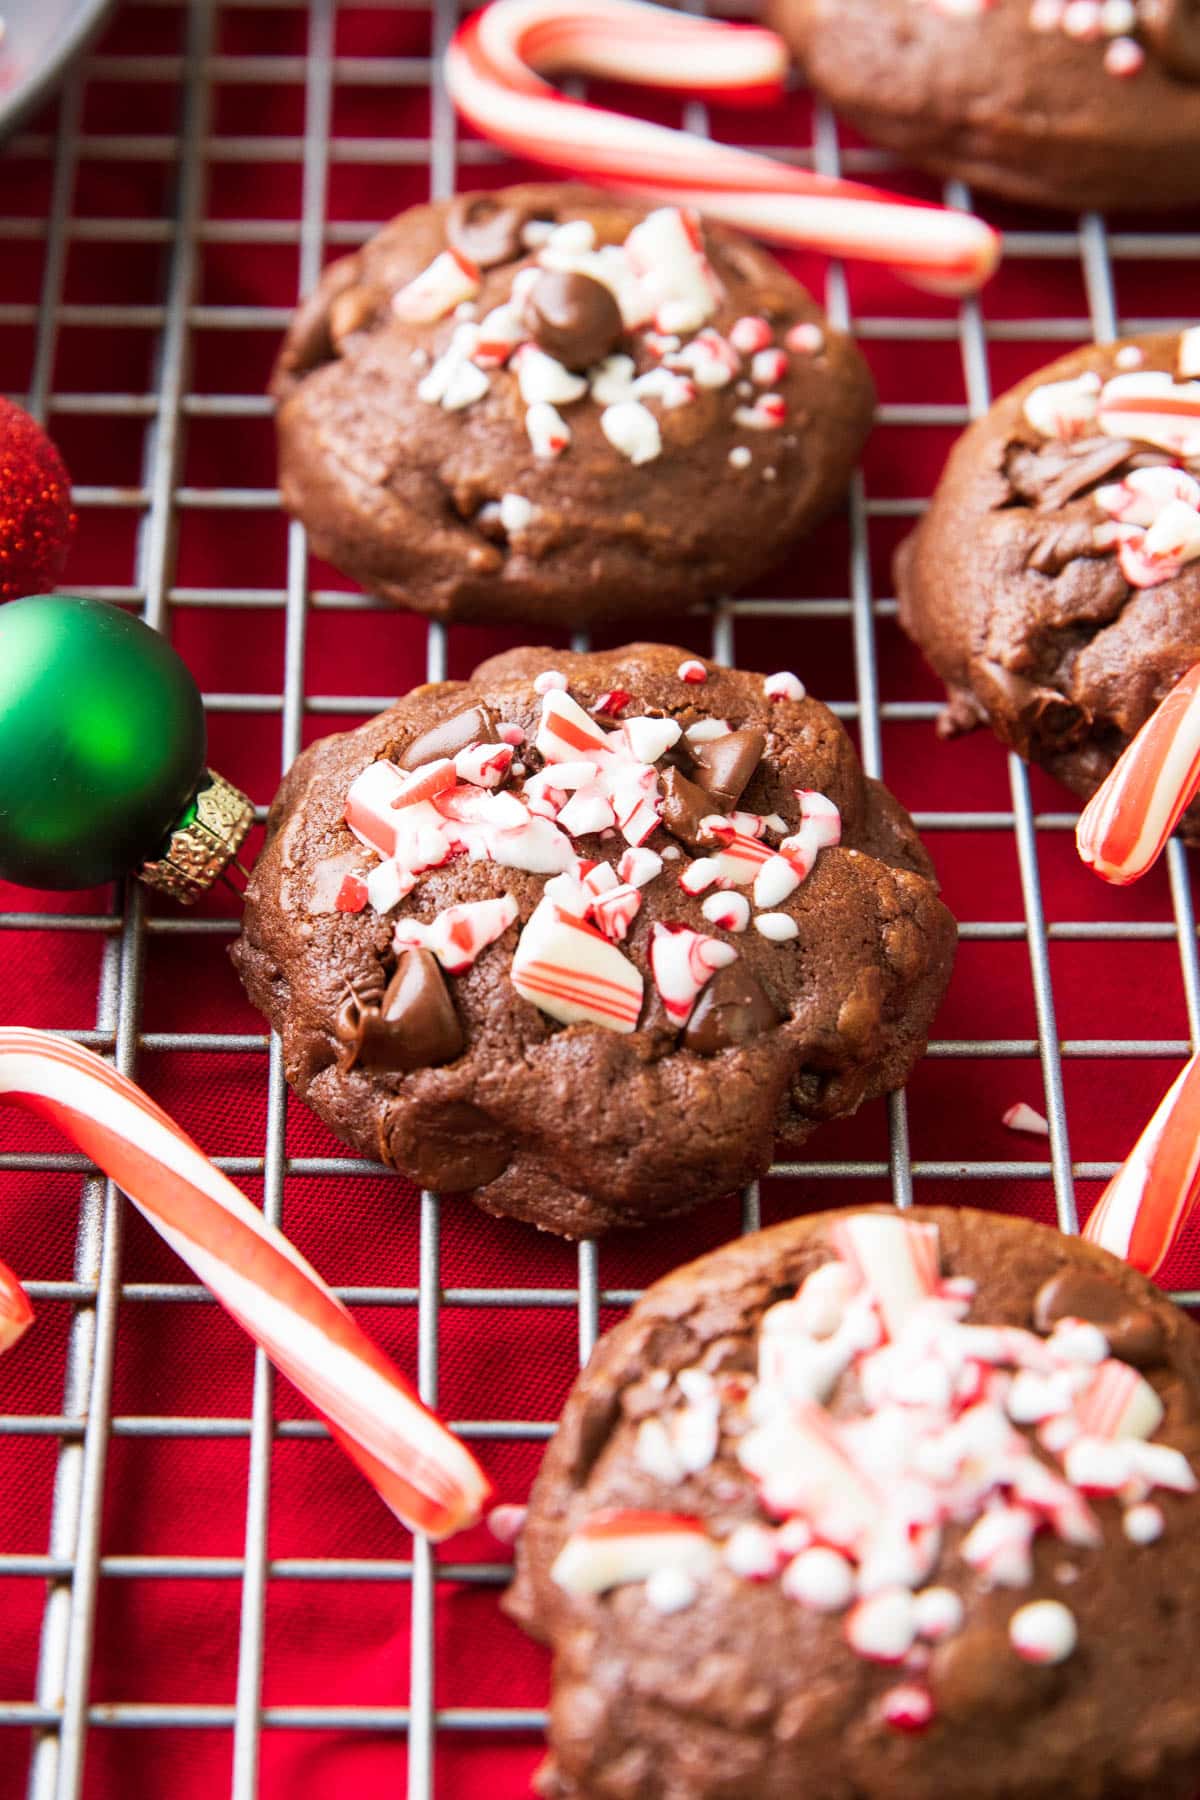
[
  {"x": 683, "y": 806},
  {"x": 480, "y": 228},
  {"x": 1055, "y": 473},
  {"x": 725, "y": 765},
  {"x": 475, "y": 726},
  {"x": 977, "y": 1672},
  {"x": 1134, "y": 1334},
  {"x": 732, "y": 1007},
  {"x": 573, "y": 318},
  {"x": 1173, "y": 28},
  {"x": 413, "y": 1026}
]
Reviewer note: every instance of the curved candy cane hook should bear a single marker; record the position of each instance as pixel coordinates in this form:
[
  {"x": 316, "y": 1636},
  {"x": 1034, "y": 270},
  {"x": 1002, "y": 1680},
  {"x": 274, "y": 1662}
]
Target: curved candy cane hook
[{"x": 491, "y": 74}]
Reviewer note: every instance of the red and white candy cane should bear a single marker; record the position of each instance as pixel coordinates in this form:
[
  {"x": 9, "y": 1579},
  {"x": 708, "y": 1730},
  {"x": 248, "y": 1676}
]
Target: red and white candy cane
[
  {"x": 1124, "y": 827},
  {"x": 1154, "y": 1193},
  {"x": 491, "y": 74},
  {"x": 427, "y": 1477}
]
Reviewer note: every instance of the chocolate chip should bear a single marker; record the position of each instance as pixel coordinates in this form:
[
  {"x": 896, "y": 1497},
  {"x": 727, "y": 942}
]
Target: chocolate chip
[
  {"x": 683, "y": 806},
  {"x": 475, "y": 726},
  {"x": 413, "y": 1026},
  {"x": 1173, "y": 28},
  {"x": 732, "y": 1008},
  {"x": 724, "y": 765},
  {"x": 1134, "y": 1334},
  {"x": 485, "y": 230},
  {"x": 573, "y": 318}
]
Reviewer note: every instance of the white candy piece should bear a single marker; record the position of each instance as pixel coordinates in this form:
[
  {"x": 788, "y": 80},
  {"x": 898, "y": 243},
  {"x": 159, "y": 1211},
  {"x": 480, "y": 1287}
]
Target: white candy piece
[
  {"x": 1189, "y": 352},
  {"x": 937, "y": 1613},
  {"x": 751, "y": 1552},
  {"x": 897, "y": 1260},
  {"x": 1043, "y": 1632},
  {"x": 1144, "y": 1523},
  {"x": 639, "y": 866},
  {"x": 566, "y": 733},
  {"x": 775, "y": 881},
  {"x": 783, "y": 685},
  {"x": 1119, "y": 1403},
  {"x": 459, "y": 933},
  {"x": 820, "y": 1579},
  {"x": 882, "y": 1628},
  {"x": 624, "y": 1547},
  {"x": 632, "y": 429},
  {"x": 612, "y": 380},
  {"x": 777, "y": 927},
  {"x": 542, "y": 378},
  {"x": 437, "y": 290},
  {"x": 547, "y": 430},
  {"x": 1064, "y": 409},
  {"x": 516, "y": 513},
  {"x": 574, "y": 974},
  {"x": 730, "y": 912},
  {"x": 387, "y": 884},
  {"x": 1154, "y": 409},
  {"x": 667, "y": 251},
  {"x": 671, "y": 1590},
  {"x": 648, "y": 739},
  {"x": 681, "y": 962}
]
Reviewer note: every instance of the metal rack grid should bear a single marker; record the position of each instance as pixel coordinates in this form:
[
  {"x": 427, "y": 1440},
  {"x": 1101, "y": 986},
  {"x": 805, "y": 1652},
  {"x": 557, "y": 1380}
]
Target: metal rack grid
[{"x": 60, "y": 1714}]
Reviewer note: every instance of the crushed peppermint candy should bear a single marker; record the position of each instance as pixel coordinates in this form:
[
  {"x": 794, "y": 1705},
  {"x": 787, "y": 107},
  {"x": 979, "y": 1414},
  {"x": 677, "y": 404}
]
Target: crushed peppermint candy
[
  {"x": 1023, "y": 1117},
  {"x": 1151, "y": 517},
  {"x": 601, "y": 776},
  {"x": 856, "y": 1499},
  {"x": 666, "y": 293},
  {"x": 783, "y": 685}
]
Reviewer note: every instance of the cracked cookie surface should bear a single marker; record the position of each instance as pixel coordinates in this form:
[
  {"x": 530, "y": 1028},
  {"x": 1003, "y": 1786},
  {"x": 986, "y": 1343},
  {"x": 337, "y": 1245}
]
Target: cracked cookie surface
[
  {"x": 536, "y": 451},
  {"x": 1028, "y": 584},
  {"x": 637, "y": 1048}
]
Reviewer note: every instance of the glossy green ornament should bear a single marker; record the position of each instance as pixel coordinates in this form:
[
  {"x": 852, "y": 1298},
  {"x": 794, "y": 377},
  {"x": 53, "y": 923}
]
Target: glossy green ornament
[{"x": 102, "y": 743}]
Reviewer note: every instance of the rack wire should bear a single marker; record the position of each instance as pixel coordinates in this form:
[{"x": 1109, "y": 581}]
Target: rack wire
[{"x": 58, "y": 1712}]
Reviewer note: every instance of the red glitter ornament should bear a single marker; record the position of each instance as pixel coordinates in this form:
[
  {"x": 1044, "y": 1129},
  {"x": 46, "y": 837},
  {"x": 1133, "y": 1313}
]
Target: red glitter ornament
[{"x": 36, "y": 520}]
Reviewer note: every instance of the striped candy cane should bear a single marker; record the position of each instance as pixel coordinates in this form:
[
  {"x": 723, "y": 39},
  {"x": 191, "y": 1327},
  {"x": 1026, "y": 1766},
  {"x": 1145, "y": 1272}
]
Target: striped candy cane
[
  {"x": 1153, "y": 1194},
  {"x": 1124, "y": 827},
  {"x": 429, "y": 1479},
  {"x": 490, "y": 72}
]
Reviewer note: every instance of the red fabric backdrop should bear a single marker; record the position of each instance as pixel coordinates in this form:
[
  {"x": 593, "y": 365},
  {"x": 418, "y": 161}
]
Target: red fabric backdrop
[{"x": 164, "y": 1640}]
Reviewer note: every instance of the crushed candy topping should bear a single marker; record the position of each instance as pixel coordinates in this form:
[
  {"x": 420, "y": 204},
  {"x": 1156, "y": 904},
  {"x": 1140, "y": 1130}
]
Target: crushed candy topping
[
  {"x": 666, "y": 292},
  {"x": 1005, "y": 1433},
  {"x": 589, "y": 778},
  {"x": 1152, "y": 515}
]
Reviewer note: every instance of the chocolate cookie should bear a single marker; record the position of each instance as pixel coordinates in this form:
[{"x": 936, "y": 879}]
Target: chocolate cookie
[
  {"x": 1060, "y": 102},
  {"x": 586, "y": 933},
  {"x": 1054, "y": 583},
  {"x": 877, "y": 1506},
  {"x": 550, "y": 405}
]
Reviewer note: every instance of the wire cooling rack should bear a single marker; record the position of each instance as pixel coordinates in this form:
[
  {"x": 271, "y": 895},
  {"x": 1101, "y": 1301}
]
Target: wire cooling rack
[{"x": 157, "y": 159}]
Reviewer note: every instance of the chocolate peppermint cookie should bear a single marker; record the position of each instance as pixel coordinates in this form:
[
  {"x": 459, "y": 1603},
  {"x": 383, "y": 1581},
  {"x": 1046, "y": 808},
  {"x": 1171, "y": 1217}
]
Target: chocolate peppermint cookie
[
  {"x": 1060, "y": 102},
  {"x": 1054, "y": 583},
  {"x": 587, "y": 933},
  {"x": 877, "y": 1505},
  {"x": 549, "y": 405}
]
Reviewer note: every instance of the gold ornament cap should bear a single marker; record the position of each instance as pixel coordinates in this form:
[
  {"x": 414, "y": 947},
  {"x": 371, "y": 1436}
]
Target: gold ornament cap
[{"x": 204, "y": 843}]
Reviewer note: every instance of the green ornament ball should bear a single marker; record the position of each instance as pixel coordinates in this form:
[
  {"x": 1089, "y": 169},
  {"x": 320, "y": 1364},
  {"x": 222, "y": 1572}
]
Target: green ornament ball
[{"x": 102, "y": 741}]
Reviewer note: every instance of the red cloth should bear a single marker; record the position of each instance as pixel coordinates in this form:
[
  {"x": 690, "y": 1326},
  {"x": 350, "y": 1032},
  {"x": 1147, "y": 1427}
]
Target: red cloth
[{"x": 161, "y": 1640}]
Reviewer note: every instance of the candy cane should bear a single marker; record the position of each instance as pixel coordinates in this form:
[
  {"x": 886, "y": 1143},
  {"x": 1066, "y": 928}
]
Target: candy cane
[
  {"x": 16, "y": 1314},
  {"x": 1153, "y": 1194},
  {"x": 1125, "y": 825},
  {"x": 490, "y": 72},
  {"x": 420, "y": 1470}
]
